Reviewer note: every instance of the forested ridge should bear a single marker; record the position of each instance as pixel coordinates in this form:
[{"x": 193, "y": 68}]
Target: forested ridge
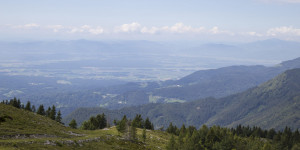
[{"x": 273, "y": 104}]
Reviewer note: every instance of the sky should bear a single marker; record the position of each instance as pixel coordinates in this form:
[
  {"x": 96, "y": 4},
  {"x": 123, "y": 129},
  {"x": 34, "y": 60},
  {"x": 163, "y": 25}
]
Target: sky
[{"x": 157, "y": 20}]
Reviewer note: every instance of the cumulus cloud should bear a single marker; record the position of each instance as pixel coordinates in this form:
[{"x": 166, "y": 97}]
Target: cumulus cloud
[
  {"x": 55, "y": 28},
  {"x": 31, "y": 25},
  {"x": 285, "y": 32},
  {"x": 133, "y": 27},
  {"x": 216, "y": 30},
  {"x": 96, "y": 31},
  {"x": 181, "y": 28},
  {"x": 58, "y": 28},
  {"x": 291, "y": 31},
  {"x": 27, "y": 26},
  {"x": 252, "y": 33},
  {"x": 87, "y": 29},
  {"x": 176, "y": 28},
  {"x": 151, "y": 30}
]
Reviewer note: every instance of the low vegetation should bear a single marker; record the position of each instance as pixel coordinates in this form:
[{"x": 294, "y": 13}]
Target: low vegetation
[{"x": 22, "y": 129}]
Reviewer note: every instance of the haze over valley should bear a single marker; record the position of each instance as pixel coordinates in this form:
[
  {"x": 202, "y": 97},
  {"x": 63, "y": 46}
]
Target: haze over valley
[{"x": 138, "y": 74}]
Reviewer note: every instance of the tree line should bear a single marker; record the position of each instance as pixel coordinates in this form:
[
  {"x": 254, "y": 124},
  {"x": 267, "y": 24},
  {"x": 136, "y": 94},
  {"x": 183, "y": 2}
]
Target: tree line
[
  {"x": 126, "y": 127},
  {"x": 50, "y": 112},
  {"x": 241, "y": 137}
]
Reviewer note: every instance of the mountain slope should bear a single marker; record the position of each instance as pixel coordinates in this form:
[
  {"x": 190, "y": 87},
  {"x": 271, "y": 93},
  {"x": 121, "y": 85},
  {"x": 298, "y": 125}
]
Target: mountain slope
[
  {"x": 20, "y": 129},
  {"x": 160, "y": 114},
  {"x": 28, "y": 123},
  {"x": 274, "y": 104},
  {"x": 223, "y": 81}
]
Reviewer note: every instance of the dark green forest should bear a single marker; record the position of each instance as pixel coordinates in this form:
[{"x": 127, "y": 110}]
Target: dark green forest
[{"x": 240, "y": 138}]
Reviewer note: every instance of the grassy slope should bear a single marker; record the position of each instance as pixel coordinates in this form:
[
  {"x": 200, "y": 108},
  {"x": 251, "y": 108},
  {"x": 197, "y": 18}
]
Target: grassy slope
[{"x": 52, "y": 135}]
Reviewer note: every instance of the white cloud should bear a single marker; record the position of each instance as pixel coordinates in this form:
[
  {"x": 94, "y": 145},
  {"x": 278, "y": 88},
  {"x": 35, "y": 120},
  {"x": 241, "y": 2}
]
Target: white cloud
[
  {"x": 133, "y": 27},
  {"x": 151, "y": 30},
  {"x": 27, "y": 26},
  {"x": 181, "y": 28},
  {"x": 252, "y": 34},
  {"x": 55, "y": 28},
  {"x": 31, "y": 25},
  {"x": 287, "y": 31},
  {"x": 87, "y": 29},
  {"x": 284, "y": 32},
  {"x": 96, "y": 31},
  {"x": 216, "y": 30},
  {"x": 176, "y": 28}
]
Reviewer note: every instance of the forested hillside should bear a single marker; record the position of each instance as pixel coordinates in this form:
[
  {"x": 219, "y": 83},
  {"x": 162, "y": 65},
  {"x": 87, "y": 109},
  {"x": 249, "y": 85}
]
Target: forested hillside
[{"x": 273, "y": 104}]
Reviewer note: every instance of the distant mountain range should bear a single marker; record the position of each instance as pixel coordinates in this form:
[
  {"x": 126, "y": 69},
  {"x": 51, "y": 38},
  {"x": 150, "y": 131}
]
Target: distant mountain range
[
  {"x": 201, "y": 84},
  {"x": 273, "y": 104}
]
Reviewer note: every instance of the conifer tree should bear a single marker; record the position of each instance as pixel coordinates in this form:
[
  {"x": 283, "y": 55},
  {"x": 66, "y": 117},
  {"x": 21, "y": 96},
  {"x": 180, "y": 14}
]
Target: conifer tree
[
  {"x": 33, "y": 108},
  {"x": 181, "y": 136},
  {"x": 172, "y": 144},
  {"x": 41, "y": 110},
  {"x": 28, "y": 106},
  {"x": 148, "y": 124},
  {"x": 18, "y": 104},
  {"x": 58, "y": 117},
  {"x": 48, "y": 112},
  {"x": 52, "y": 113},
  {"x": 132, "y": 131},
  {"x": 138, "y": 121},
  {"x": 73, "y": 124},
  {"x": 121, "y": 125},
  {"x": 101, "y": 121}
]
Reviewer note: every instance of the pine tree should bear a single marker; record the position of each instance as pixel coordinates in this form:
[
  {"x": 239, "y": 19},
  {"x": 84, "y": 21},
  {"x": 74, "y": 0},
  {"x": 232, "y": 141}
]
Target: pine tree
[
  {"x": 58, "y": 117},
  {"x": 28, "y": 106},
  {"x": 48, "y": 112},
  {"x": 138, "y": 120},
  {"x": 33, "y": 108},
  {"x": 132, "y": 131},
  {"x": 52, "y": 113},
  {"x": 101, "y": 121},
  {"x": 121, "y": 125},
  {"x": 172, "y": 144},
  {"x": 182, "y": 134},
  {"x": 18, "y": 104},
  {"x": 73, "y": 124},
  {"x": 148, "y": 124},
  {"x": 172, "y": 129},
  {"x": 41, "y": 110}
]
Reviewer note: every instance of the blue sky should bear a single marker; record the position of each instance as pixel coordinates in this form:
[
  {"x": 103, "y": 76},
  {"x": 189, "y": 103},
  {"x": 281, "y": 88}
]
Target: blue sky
[{"x": 220, "y": 20}]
